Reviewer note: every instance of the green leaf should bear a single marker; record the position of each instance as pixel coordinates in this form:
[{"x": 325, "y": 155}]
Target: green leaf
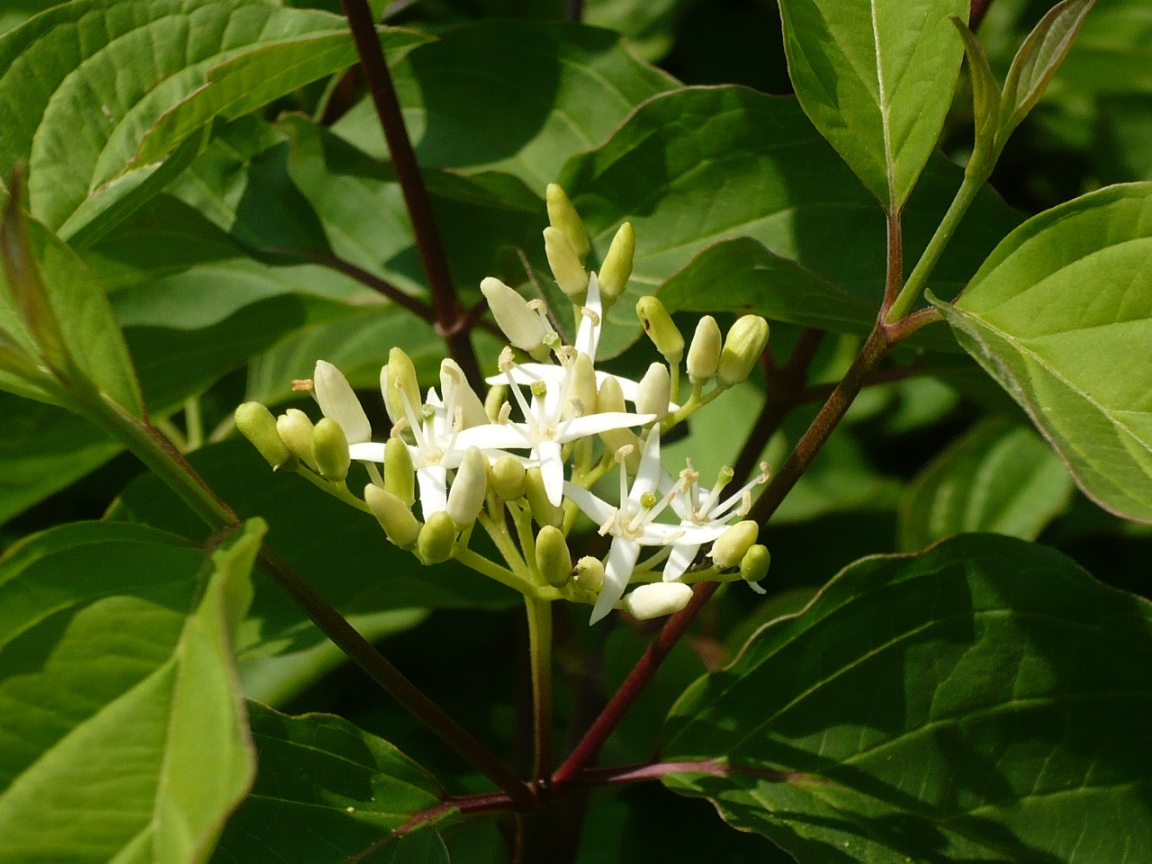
[
  {"x": 985, "y": 101},
  {"x": 1061, "y": 305},
  {"x": 125, "y": 734},
  {"x": 876, "y": 77},
  {"x": 74, "y": 312},
  {"x": 325, "y": 791},
  {"x": 518, "y": 97},
  {"x": 1000, "y": 477},
  {"x": 1038, "y": 59},
  {"x": 983, "y": 701},
  {"x": 82, "y": 83}
]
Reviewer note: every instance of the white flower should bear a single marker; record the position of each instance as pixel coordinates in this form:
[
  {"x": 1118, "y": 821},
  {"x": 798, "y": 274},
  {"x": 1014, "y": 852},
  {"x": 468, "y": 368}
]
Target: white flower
[
  {"x": 699, "y": 508},
  {"x": 632, "y": 524}
]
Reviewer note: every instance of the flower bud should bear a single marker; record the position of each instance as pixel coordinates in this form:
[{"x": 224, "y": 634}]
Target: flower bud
[
  {"x": 754, "y": 566},
  {"x": 394, "y": 516},
  {"x": 295, "y": 431},
  {"x": 257, "y": 424},
  {"x": 654, "y": 391},
  {"x": 399, "y": 386},
  {"x": 436, "y": 539},
  {"x": 494, "y": 402},
  {"x": 657, "y": 599},
  {"x": 661, "y": 329},
  {"x": 611, "y": 398},
  {"x": 330, "y": 449},
  {"x": 543, "y": 510},
  {"x": 582, "y": 395},
  {"x": 589, "y": 573},
  {"x": 704, "y": 352},
  {"x": 508, "y": 478},
  {"x": 617, "y": 267},
  {"x": 731, "y": 546},
  {"x": 563, "y": 216},
  {"x": 553, "y": 559},
  {"x": 569, "y": 273},
  {"x": 399, "y": 472},
  {"x": 338, "y": 401},
  {"x": 469, "y": 487},
  {"x": 524, "y": 328},
  {"x": 742, "y": 349},
  {"x": 458, "y": 393}
]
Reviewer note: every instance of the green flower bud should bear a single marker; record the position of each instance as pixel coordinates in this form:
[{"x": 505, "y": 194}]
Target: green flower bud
[
  {"x": 661, "y": 329},
  {"x": 617, "y": 267},
  {"x": 543, "y": 510},
  {"x": 731, "y": 546},
  {"x": 582, "y": 399},
  {"x": 338, "y": 400},
  {"x": 563, "y": 216},
  {"x": 394, "y": 516},
  {"x": 657, "y": 599},
  {"x": 257, "y": 424},
  {"x": 742, "y": 349},
  {"x": 569, "y": 273},
  {"x": 399, "y": 386},
  {"x": 494, "y": 401},
  {"x": 553, "y": 559},
  {"x": 704, "y": 352},
  {"x": 754, "y": 566},
  {"x": 330, "y": 450},
  {"x": 589, "y": 573},
  {"x": 654, "y": 391},
  {"x": 611, "y": 398},
  {"x": 469, "y": 487},
  {"x": 437, "y": 538},
  {"x": 295, "y": 431},
  {"x": 508, "y": 475},
  {"x": 525, "y": 328},
  {"x": 399, "y": 472}
]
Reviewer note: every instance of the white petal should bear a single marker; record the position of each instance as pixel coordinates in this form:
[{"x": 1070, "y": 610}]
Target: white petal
[
  {"x": 594, "y": 508},
  {"x": 594, "y": 424},
  {"x": 588, "y": 333},
  {"x": 648, "y": 476},
  {"x": 552, "y": 470},
  {"x": 621, "y": 562},
  {"x": 661, "y": 534},
  {"x": 657, "y": 600},
  {"x": 679, "y": 560},
  {"x": 496, "y": 436},
  {"x": 433, "y": 483},
  {"x": 369, "y": 451},
  {"x": 338, "y": 401}
]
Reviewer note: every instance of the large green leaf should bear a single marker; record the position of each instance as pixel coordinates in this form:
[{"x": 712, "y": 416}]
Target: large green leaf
[
  {"x": 124, "y": 731},
  {"x": 1061, "y": 316},
  {"x": 983, "y": 701},
  {"x": 1000, "y": 477},
  {"x": 699, "y": 166},
  {"x": 876, "y": 77},
  {"x": 325, "y": 791},
  {"x": 81, "y": 85},
  {"x": 513, "y": 96}
]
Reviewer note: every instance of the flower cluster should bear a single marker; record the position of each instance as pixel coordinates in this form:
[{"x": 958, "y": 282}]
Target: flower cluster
[{"x": 525, "y": 461}]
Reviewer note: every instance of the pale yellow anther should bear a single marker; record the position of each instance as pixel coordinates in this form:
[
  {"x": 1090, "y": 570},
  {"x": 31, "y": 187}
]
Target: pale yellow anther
[{"x": 623, "y": 453}]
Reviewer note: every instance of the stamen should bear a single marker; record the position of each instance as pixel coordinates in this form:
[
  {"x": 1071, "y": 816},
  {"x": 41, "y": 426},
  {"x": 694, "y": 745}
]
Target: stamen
[{"x": 302, "y": 385}]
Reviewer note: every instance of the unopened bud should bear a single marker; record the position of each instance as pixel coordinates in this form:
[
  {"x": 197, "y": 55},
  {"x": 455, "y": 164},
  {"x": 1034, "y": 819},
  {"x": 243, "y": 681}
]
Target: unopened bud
[
  {"x": 582, "y": 399},
  {"x": 611, "y": 398},
  {"x": 338, "y": 401},
  {"x": 553, "y": 559},
  {"x": 458, "y": 393},
  {"x": 330, "y": 449},
  {"x": 437, "y": 538},
  {"x": 731, "y": 546},
  {"x": 617, "y": 267},
  {"x": 661, "y": 329},
  {"x": 654, "y": 391},
  {"x": 399, "y": 472},
  {"x": 563, "y": 216},
  {"x": 657, "y": 599},
  {"x": 524, "y": 328},
  {"x": 494, "y": 402},
  {"x": 543, "y": 510},
  {"x": 399, "y": 385},
  {"x": 469, "y": 487},
  {"x": 508, "y": 475},
  {"x": 569, "y": 273},
  {"x": 742, "y": 349},
  {"x": 704, "y": 352},
  {"x": 394, "y": 516},
  {"x": 754, "y": 566},
  {"x": 257, "y": 424},
  {"x": 295, "y": 431},
  {"x": 589, "y": 573}
]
